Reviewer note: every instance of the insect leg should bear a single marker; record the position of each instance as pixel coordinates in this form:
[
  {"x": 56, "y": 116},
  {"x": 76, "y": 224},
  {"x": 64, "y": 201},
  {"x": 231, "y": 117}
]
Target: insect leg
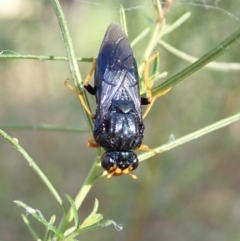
[
  {"x": 146, "y": 148},
  {"x": 153, "y": 100},
  {"x": 88, "y": 77},
  {"x": 92, "y": 143},
  {"x": 80, "y": 96},
  {"x": 150, "y": 100},
  {"x": 88, "y": 87}
]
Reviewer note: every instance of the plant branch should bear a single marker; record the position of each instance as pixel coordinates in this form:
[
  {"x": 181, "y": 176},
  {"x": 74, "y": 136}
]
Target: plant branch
[
  {"x": 72, "y": 60},
  {"x": 192, "y": 136},
  {"x": 41, "y": 57},
  {"x": 217, "y": 51},
  {"x": 38, "y": 171},
  {"x": 218, "y": 66},
  {"x": 44, "y": 127}
]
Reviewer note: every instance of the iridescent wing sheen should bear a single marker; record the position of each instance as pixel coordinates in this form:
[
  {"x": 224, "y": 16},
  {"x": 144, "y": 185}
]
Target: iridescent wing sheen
[{"x": 116, "y": 71}]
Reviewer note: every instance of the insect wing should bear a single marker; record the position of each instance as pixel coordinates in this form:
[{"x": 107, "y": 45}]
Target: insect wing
[{"x": 116, "y": 71}]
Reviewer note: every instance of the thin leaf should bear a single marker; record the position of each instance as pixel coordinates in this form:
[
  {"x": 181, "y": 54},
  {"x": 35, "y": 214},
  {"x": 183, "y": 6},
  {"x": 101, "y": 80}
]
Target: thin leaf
[
  {"x": 153, "y": 80},
  {"x": 192, "y": 136},
  {"x": 74, "y": 209},
  {"x": 123, "y": 19},
  {"x": 217, "y": 51},
  {"x": 93, "y": 217},
  {"x": 30, "y": 228},
  {"x": 102, "y": 224},
  {"x": 158, "y": 77},
  {"x": 96, "y": 218},
  {"x": 142, "y": 35},
  {"x": 15, "y": 55},
  {"x": 95, "y": 226},
  {"x": 51, "y": 222},
  {"x": 156, "y": 65},
  {"x": 78, "y": 83},
  {"x": 87, "y": 185},
  {"x": 38, "y": 216},
  {"x": 72, "y": 60},
  {"x": 218, "y": 66},
  {"x": 31, "y": 162},
  {"x": 170, "y": 28},
  {"x": 44, "y": 127}
]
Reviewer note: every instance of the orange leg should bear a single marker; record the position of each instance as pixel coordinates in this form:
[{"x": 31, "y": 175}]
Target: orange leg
[
  {"x": 88, "y": 77},
  {"x": 146, "y": 148},
  {"x": 146, "y": 74},
  {"x": 153, "y": 100},
  {"x": 147, "y": 78},
  {"x": 92, "y": 143},
  {"x": 80, "y": 96}
]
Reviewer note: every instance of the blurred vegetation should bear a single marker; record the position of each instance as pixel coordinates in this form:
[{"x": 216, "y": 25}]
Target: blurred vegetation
[{"x": 189, "y": 193}]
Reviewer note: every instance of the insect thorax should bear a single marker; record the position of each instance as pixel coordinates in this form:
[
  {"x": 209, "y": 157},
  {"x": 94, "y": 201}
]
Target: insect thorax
[{"x": 122, "y": 129}]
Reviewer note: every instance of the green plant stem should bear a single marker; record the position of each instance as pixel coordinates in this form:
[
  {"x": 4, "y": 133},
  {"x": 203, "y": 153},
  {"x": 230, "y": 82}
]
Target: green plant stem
[
  {"x": 150, "y": 46},
  {"x": 68, "y": 45},
  {"x": 78, "y": 83},
  {"x": 39, "y": 217},
  {"x": 217, "y": 51},
  {"x": 48, "y": 230},
  {"x": 87, "y": 185},
  {"x": 72, "y": 60},
  {"x": 149, "y": 49},
  {"x": 41, "y": 57},
  {"x": 170, "y": 28},
  {"x": 192, "y": 136},
  {"x": 31, "y": 162},
  {"x": 44, "y": 127},
  {"x": 142, "y": 35},
  {"x": 123, "y": 20},
  {"x": 30, "y": 228},
  {"x": 218, "y": 66}
]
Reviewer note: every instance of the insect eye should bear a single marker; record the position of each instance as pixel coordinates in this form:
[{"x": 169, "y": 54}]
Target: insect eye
[
  {"x": 134, "y": 164},
  {"x": 107, "y": 162}
]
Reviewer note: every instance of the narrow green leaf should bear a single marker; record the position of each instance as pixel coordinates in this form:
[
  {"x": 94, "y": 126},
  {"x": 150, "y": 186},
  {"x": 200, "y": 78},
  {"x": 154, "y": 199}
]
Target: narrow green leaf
[
  {"x": 30, "y": 228},
  {"x": 72, "y": 59},
  {"x": 31, "y": 162},
  {"x": 156, "y": 65},
  {"x": 170, "y": 28},
  {"x": 101, "y": 224},
  {"x": 93, "y": 217},
  {"x": 217, "y": 66},
  {"x": 74, "y": 209},
  {"x": 123, "y": 19},
  {"x": 87, "y": 185},
  {"x": 14, "y": 55},
  {"x": 95, "y": 207},
  {"x": 217, "y": 51},
  {"x": 51, "y": 222},
  {"x": 44, "y": 127},
  {"x": 191, "y": 136},
  {"x": 160, "y": 76},
  {"x": 92, "y": 220},
  {"x": 38, "y": 216},
  {"x": 142, "y": 35}
]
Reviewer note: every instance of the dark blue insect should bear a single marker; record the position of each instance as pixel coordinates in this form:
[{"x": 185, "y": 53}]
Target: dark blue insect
[{"x": 118, "y": 125}]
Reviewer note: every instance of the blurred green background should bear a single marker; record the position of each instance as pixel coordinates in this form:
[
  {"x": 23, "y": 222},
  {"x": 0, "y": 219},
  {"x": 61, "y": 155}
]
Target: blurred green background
[{"x": 189, "y": 193}]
